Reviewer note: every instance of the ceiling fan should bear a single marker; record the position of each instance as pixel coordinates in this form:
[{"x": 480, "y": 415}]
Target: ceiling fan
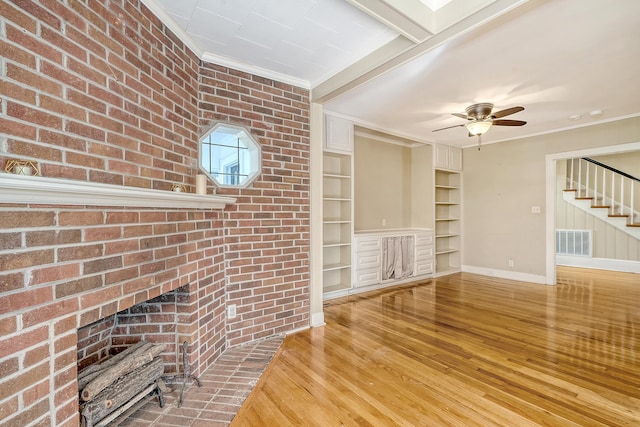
[{"x": 480, "y": 119}]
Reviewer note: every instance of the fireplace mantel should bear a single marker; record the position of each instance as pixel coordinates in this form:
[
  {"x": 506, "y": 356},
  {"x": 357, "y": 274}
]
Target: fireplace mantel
[{"x": 55, "y": 191}]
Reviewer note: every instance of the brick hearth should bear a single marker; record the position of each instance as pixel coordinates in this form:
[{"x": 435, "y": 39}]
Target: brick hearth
[{"x": 225, "y": 386}]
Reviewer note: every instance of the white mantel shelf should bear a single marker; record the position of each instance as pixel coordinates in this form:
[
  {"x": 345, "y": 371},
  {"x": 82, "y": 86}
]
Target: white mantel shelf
[{"x": 56, "y": 191}]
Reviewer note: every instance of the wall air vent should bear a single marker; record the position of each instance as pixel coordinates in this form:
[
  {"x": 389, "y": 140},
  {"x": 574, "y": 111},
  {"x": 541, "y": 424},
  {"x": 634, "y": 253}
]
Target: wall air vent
[{"x": 574, "y": 243}]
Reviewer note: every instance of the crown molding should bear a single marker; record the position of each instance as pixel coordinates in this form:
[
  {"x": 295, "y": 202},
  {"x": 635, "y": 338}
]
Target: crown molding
[
  {"x": 55, "y": 191},
  {"x": 258, "y": 71},
  {"x": 155, "y": 8},
  {"x": 418, "y": 140}
]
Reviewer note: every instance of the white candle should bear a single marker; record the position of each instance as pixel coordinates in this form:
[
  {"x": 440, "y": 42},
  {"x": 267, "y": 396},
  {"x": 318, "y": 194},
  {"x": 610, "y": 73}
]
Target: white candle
[
  {"x": 201, "y": 184},
  {"x": 23, "y": 170}
]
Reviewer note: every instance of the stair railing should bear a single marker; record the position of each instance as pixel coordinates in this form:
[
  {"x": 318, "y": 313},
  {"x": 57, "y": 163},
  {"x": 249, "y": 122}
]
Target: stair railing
[{"x": 607, "y": 186}]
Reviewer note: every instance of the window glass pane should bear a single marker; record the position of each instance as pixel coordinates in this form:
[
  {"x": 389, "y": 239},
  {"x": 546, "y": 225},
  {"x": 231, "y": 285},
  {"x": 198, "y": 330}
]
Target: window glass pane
[
  {"x": 229, "y": 140},
  {"x": 221, "y": 157},
  {"x": 205, "y": 155}
]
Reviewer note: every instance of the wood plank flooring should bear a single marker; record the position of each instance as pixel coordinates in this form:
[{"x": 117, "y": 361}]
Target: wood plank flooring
[{"x": 464, "y": 350}]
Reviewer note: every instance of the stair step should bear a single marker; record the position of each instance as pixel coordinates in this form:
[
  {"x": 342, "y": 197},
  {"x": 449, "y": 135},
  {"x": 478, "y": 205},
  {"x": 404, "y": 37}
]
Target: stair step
[{"x": 625, "y": 222}]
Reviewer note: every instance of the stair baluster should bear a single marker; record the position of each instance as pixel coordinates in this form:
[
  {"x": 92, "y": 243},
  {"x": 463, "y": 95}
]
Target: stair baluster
[
  {"x": 613, "y": 193},
  {"x": 571, "y": 161},
  {"x": 579, "y": 178},
  {"x": 595, "y": 186},
  {"x": 621, "y": 196},
  {"x": 586, "y": 183},
  {"x": 632, "y": 218},
  {"x": 604, "y": 187}
]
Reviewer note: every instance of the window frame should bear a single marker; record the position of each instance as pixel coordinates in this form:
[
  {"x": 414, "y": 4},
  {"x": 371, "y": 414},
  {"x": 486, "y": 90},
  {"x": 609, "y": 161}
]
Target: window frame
[{"x": 243, "y": 180}]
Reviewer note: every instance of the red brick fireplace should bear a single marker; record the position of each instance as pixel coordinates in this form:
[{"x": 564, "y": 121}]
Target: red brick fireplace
[{"x": 103, "y": 97}]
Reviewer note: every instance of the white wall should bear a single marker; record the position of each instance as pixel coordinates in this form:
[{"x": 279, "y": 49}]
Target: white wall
[
  {"x": 422, "y": 210},
  {"x": 382, "y": 185},
  {"x": 503, "y": 181}
]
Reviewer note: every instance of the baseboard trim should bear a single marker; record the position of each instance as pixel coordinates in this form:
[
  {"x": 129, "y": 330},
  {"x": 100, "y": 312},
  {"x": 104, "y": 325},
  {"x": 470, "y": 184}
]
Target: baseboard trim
[
  {"x": 368, "y": 288},
  {"x": 505, "y": 274},
  {"x": 317, "y": 319},
  {"x": 599, "y": 263}
]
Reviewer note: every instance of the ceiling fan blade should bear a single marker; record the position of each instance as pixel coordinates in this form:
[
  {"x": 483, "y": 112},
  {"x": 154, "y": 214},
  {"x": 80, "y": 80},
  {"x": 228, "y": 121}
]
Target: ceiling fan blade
[
  {"x": 509, "y": 123},
  {"x": 461, "y": 115},
  {"x": 506, "y": 112},
  {"x": 450, "y": 127}
]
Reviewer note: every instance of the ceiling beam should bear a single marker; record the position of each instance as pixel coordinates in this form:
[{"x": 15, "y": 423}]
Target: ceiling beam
[
  {"x": 410, "y": 18},
  {"x": 399, "y": 52},
  {"x": 333, "y": 85}
]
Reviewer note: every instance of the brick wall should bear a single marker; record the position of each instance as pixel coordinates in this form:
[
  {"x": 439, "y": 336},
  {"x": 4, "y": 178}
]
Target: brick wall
[
  {"x": 267, "y": 241},
  {"x": 94, "y": 342},
  {"x": 101, "y": 91}
]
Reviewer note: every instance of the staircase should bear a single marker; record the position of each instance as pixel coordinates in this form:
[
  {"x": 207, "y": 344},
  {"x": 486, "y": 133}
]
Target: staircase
[{"x": 605, "y": 193}]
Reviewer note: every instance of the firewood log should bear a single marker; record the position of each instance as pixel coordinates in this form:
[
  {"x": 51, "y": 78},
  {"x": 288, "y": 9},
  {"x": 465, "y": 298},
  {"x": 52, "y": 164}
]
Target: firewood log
[
  {"x": 124, "y": 366},
  {"x": 112, "y": 360}
]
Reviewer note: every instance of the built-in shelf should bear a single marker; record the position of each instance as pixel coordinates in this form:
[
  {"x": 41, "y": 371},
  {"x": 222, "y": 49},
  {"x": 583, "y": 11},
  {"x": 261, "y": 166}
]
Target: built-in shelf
[
  {"x": 331, "y": 267},
  {"x": 445, "y": 251},
  {"x": 333, "y": 175},
  {"x": 56, "y": 191},
  {"x": 336, "y": 244},
  {"x": 447, "y": 223},
  {"x": 337, "y": 221}
]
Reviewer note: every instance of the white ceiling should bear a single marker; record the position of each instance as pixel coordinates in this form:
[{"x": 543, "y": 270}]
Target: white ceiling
[{"x": 402, "y": 66}]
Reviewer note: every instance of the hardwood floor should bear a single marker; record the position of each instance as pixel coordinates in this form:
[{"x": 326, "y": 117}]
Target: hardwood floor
[{"x": 464, "y": 350}]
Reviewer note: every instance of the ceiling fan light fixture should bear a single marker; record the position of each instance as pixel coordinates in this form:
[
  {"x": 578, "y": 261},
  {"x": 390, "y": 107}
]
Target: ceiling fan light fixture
[{"x": 479, "y": 127}]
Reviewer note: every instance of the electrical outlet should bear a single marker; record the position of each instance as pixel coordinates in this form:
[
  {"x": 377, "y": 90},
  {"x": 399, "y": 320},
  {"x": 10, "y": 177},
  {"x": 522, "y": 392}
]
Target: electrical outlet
[
  {"x": 231, "y": 311},
  {"x": 384, "y": 222},
  {"x": 510, "y": 263},
  {"x": 535, "y": 209}
]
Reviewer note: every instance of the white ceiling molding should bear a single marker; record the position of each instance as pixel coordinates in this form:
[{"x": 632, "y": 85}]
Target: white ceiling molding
[
  {"x": 55, "y": 191},
  {"x": 155, "y": 8},
  {"x": 411, "y": 18},
  {"x": 360, "y": 72},
  {"x": 388, "y": 139},
  {"x": 252, "y": 69},
  {"x": 365, "y": 126}
]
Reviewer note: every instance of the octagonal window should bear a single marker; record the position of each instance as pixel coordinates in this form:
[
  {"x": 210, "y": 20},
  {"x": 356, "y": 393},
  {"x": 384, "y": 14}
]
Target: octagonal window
[{"x": 230, "y": 155}]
